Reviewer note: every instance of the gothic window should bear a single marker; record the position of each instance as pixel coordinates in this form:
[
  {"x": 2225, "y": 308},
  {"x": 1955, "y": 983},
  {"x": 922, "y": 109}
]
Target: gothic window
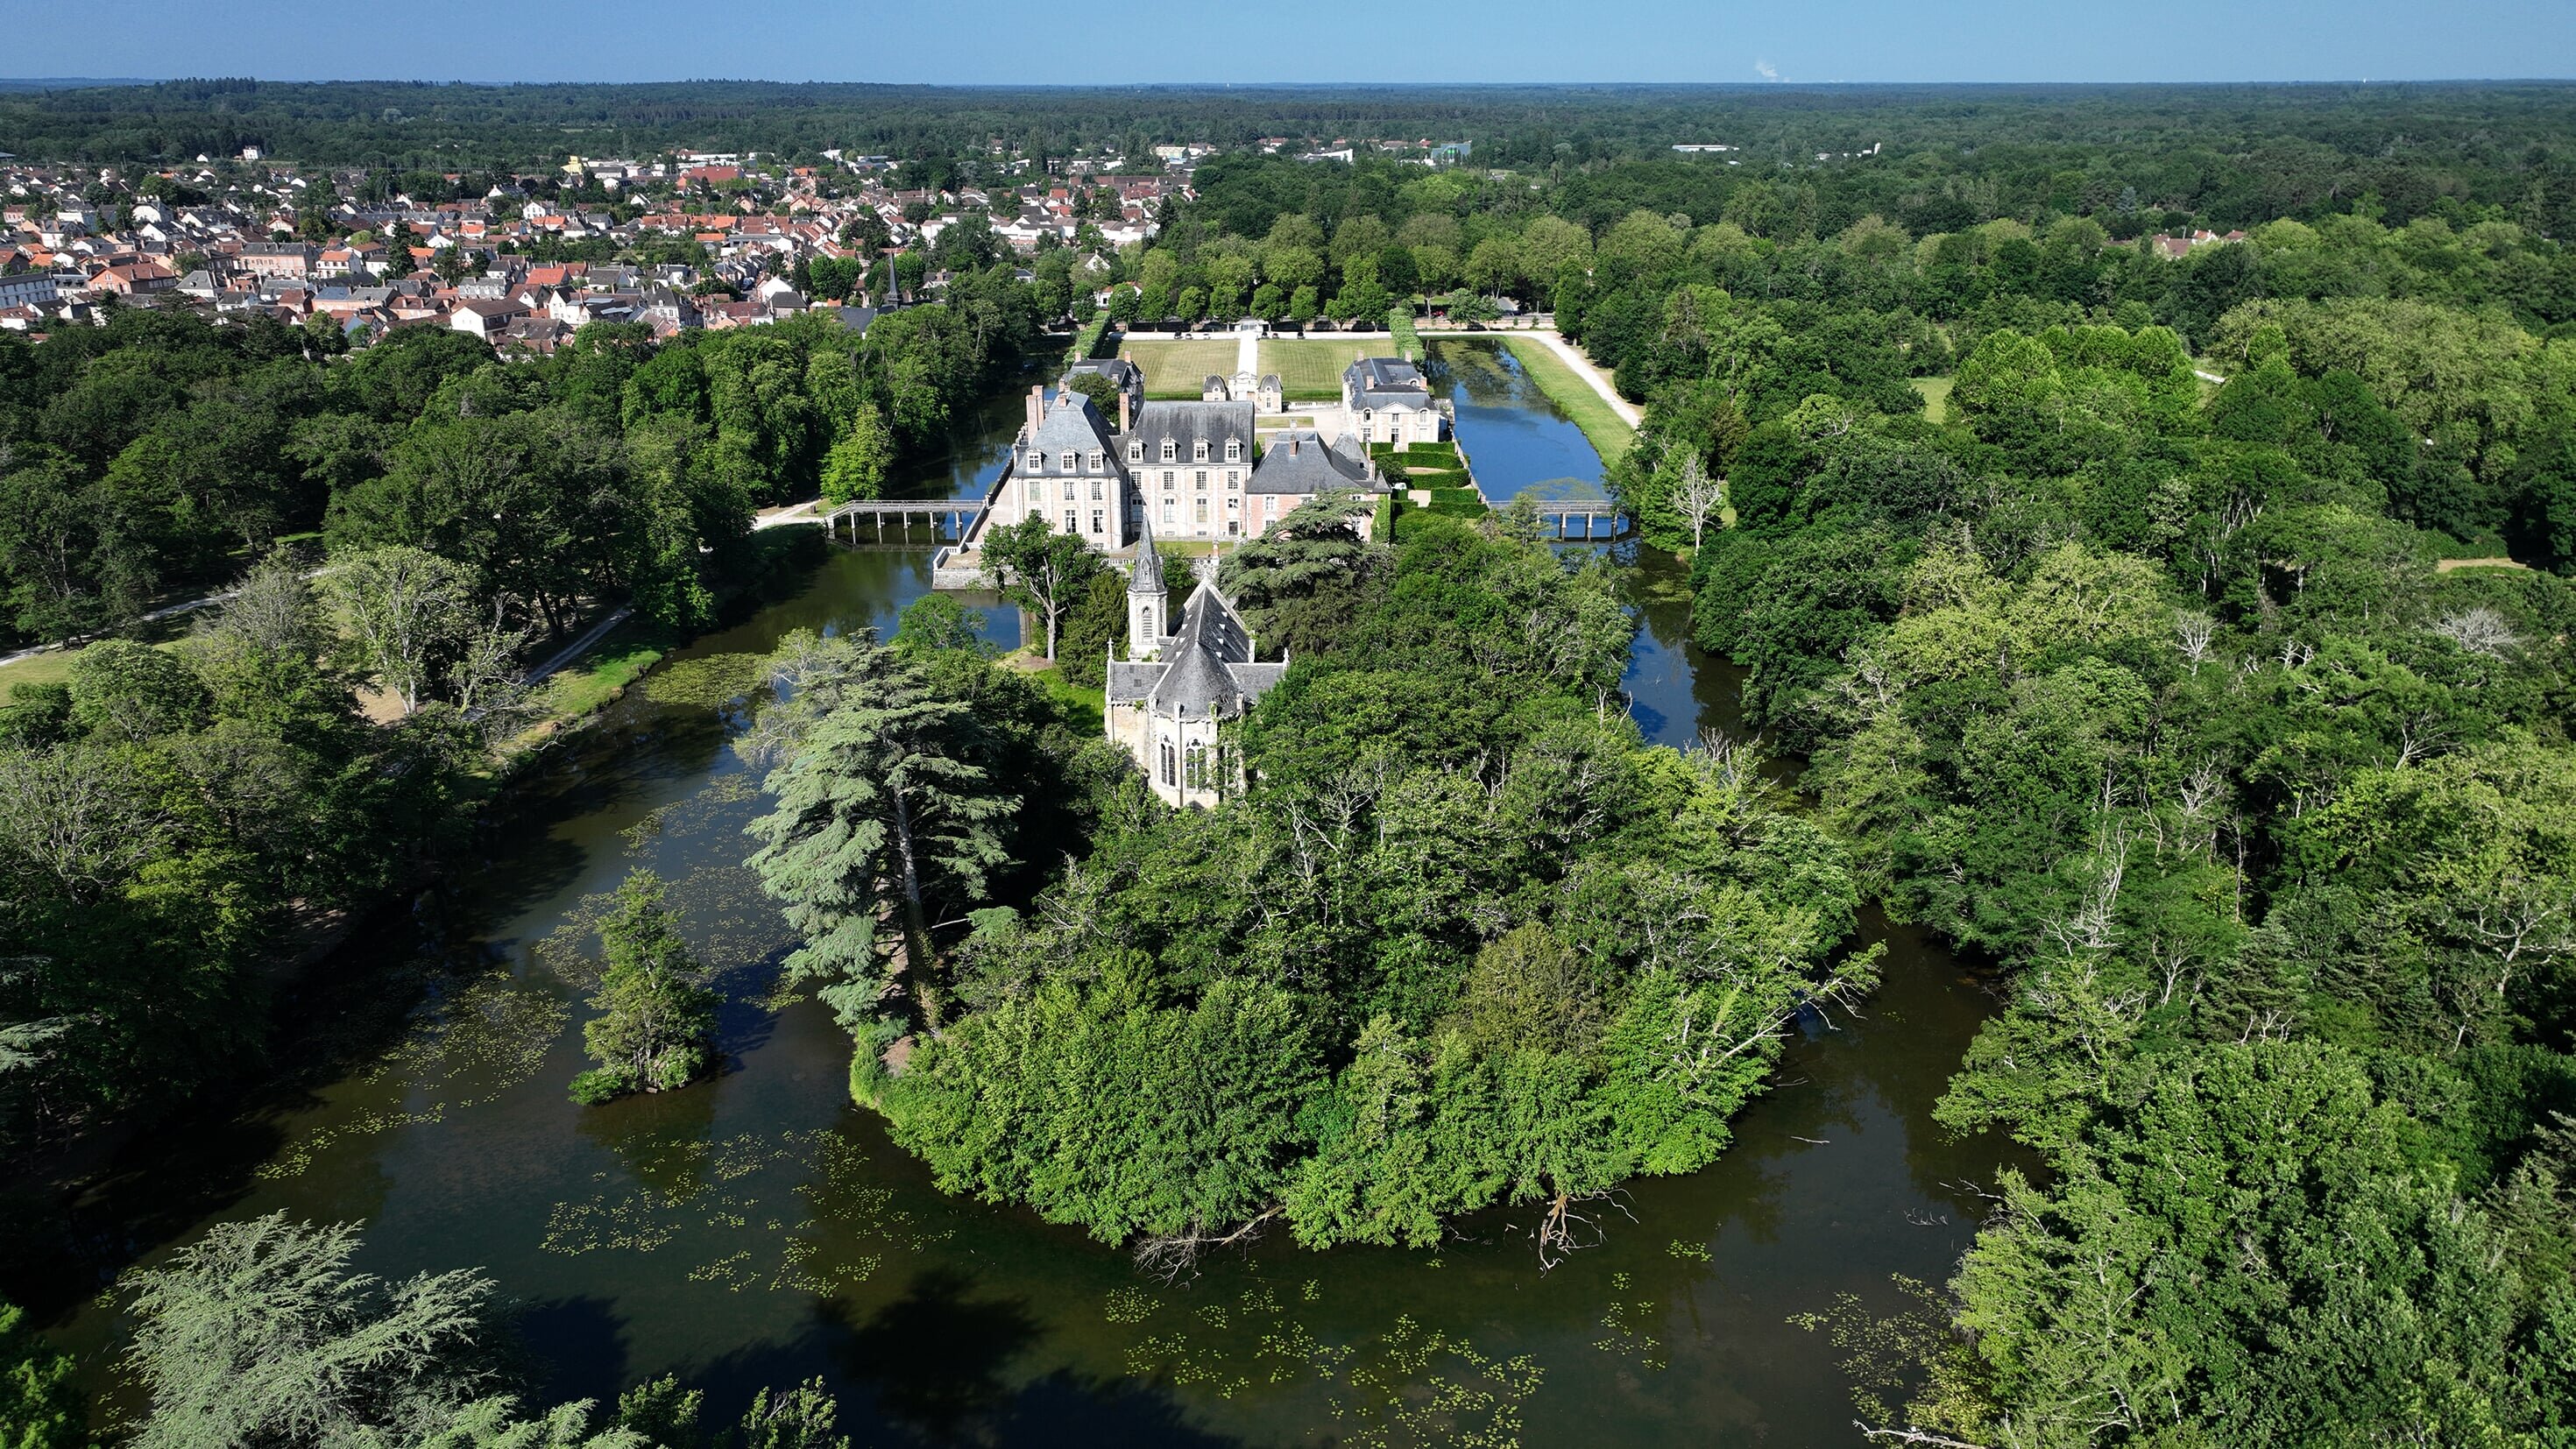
[
  {"x": 1169, "y": 776},
  {"x": 1146, "y": 621},
  {"x": 1198, "y": 775}
]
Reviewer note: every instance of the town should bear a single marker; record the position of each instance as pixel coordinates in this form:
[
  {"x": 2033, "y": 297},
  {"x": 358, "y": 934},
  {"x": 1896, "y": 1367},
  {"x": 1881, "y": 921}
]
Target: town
[{"x": 692, "y": 239}]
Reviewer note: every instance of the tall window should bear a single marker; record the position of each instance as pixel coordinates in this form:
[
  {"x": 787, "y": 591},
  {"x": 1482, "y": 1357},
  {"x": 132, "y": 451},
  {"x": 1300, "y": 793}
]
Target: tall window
[
  {"x": 1169, "y": 516},
  {"x": 1145, "y": 621},
  {"x": 1270, "y": 505},
  {"x": 1168, "y": 477},
  {"x": 1095, "y": 520},
  {"x": 1234, "y": 478},
  {"x": 1068, "y": 490},
  {"x": 1095, "y": 490},
  {"x": 1198, "y": 775},
  {"x": 1070, "y": 526},
  {"x": 1202, "y": 480},
  {"x": 1203, "y": 515},
  {"x": 1170, "y": 777}
]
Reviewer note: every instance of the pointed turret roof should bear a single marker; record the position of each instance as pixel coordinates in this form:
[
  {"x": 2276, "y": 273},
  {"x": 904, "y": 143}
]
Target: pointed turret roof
[{"x": 1147, "y": 576}]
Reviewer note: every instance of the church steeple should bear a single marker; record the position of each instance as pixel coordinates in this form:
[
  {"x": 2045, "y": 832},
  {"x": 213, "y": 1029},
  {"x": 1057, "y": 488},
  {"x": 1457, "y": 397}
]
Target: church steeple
[{"x": 1146, "y": 601}]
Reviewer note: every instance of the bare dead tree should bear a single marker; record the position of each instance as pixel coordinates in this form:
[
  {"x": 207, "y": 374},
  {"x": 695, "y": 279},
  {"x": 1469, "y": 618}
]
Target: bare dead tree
[
  {"x": 1698, "y": 496},
  {"x": 2193, "y": 632},
  {"x": 2480, "y": 630}
]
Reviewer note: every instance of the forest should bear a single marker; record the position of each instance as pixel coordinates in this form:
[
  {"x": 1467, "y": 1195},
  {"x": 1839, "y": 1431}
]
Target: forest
[{"x": 2184, "y": 639}]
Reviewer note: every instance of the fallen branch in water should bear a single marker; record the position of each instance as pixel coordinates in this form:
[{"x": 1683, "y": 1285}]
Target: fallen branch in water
[
  {"x": 1169, "y": 1256},
  {"x": 1558, "y": 1231},
  {"x": 1912, "y": 1436}
]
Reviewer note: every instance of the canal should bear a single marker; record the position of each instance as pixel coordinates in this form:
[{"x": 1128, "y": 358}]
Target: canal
[{"x": 758, "y": 1229}]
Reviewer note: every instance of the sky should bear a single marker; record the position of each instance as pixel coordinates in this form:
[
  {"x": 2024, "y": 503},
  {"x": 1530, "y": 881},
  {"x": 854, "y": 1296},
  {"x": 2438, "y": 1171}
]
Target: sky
[{"x": 1209, "y": 41}]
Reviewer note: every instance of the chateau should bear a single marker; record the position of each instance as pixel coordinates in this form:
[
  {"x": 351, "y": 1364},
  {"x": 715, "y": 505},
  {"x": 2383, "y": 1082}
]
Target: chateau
[
  {"x": 1195, "y": 469},
  {"x": 1190, "y": 470}
]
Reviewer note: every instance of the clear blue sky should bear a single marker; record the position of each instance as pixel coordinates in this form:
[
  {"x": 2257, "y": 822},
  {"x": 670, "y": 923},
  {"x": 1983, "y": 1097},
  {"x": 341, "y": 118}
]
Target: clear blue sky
[{"x": 1002, "y": 41}]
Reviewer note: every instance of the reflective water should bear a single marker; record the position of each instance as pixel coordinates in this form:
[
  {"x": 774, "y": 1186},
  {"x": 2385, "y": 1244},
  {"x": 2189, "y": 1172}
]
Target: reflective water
[
  {"x": 758, "y": 1229},
  {"x": 1515, "y": 439}
]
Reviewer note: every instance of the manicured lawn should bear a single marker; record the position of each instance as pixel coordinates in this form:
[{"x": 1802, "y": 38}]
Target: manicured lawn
[
  {"x": 48, "y": 668},
  {"x": 1310, "y": 368},
  {"x": 1936, "y": 397},
  {"x": 1089, "y": 705},
  {"x": 1179, "y": 369},
  {"x": 1611, "y": 436}
]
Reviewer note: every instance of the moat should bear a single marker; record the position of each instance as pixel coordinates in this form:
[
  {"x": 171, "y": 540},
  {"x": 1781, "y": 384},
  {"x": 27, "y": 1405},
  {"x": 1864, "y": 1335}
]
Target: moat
[{"x": 760, "y": 1229}]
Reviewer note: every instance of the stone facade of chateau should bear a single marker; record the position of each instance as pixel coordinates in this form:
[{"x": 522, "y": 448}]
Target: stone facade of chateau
[
  {"x": 1169, "y": 699},
  {"x": 1192, "y": 470}
]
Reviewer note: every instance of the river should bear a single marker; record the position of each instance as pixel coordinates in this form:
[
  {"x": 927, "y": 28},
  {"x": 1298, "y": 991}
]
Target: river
[{"x": 758, "y": 1229}]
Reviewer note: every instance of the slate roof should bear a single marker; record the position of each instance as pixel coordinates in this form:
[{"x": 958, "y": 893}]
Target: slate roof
[
  {"x": 1187, "y": 422},
  {"x": 1386, "y": 382},
  {"x": 1206, "y": 668},
  {"x": 1072, "y": 425},
  {"x": 1299, "y": 461},
  {"x": 1147, "y": 575}
]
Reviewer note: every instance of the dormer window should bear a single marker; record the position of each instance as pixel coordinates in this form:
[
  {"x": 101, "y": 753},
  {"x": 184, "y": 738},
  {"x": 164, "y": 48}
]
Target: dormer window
[
  {"x": 1037, "y": 461},
  {"x": 1073, "y": 462},
  {"x": 1234, "y": 450},
  {"x": 1198, "y": 451},
  {"x": 1099, "y": 464},
  {"x": 1135, "y": 452},
  {"x": 1171, "y": 450}
]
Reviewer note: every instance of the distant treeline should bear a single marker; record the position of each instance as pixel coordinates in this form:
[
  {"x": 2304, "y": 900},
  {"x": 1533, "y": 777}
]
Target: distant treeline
[{"x": 2226, "y": 154}]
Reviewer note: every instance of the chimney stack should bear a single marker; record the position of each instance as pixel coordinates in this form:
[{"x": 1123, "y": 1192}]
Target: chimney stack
[
  {"x": 1037, "y": 409},
  {"x": 1123, "y": 422}
]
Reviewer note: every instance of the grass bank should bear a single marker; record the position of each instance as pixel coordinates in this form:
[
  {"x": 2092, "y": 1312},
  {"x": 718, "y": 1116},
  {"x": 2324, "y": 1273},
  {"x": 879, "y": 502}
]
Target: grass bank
[
  {"x": 1575, "y": 396},
  {"x": 1936, "y": 397}
]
